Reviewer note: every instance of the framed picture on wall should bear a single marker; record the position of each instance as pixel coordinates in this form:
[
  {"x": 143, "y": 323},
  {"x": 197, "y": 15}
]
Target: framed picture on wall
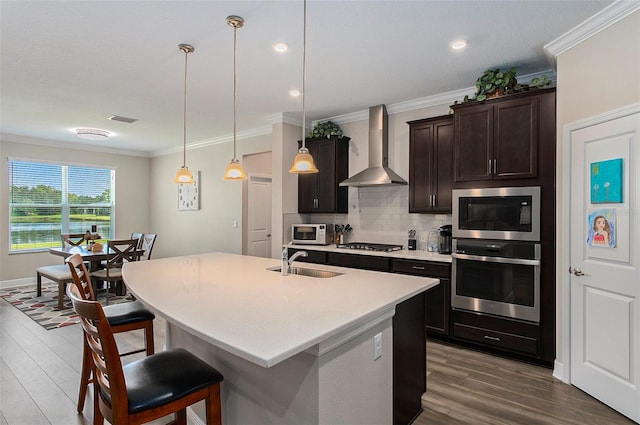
[{"x": 189, "y": 194}]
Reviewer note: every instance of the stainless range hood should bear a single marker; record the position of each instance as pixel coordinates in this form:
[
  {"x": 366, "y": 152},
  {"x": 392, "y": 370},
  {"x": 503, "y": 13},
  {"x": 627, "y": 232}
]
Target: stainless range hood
[{"x": 378, "y": 173}]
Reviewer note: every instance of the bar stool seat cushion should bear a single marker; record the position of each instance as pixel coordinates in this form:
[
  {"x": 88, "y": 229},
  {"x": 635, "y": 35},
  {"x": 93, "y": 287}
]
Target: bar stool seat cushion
[
  {"x": 165, "y": 377},
  {"x": 126, "y": 313}
]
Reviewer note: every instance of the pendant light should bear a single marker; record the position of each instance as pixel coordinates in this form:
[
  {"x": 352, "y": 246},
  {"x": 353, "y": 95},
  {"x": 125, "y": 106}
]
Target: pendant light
[
  {"x": 303, "y": 162},
  {"x": 234, "y": 170},
  {"x": 184, "y": 175}
]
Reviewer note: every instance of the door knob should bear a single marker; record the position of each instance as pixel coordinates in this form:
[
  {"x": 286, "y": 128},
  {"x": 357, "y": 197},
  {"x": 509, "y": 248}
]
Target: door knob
[{"x": 576, "y": 271}]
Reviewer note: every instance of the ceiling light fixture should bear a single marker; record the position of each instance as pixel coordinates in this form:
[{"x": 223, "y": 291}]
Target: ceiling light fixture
[
  {"x": 303, "y": 162},
  {"x": 184, "y": 175},
  {"x": 281, "y": 47},
  {"x": 234, "y": 170},
  {"x": 294, "y": 93},
  {"x": 92, "y": 134},
  {"x": 458, "y": 44}
]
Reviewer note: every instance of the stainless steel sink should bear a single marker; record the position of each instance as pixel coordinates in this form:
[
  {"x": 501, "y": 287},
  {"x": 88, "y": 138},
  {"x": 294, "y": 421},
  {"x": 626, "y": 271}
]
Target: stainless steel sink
[{"x": 303, "y": 271}]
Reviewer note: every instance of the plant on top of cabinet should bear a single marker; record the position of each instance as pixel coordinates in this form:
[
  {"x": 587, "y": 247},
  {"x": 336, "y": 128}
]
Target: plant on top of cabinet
[
  {"x": 495, "y": 83},
  {"x": 326, "y": 129}
]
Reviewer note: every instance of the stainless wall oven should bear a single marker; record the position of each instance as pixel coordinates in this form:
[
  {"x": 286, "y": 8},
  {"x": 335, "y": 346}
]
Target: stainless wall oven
[
  {"x": 497, "y": 277},
  {"x": 511, "y": 213}
]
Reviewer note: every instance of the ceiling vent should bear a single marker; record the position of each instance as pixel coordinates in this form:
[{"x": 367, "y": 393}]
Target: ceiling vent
[{"x": 122, "y": 119}]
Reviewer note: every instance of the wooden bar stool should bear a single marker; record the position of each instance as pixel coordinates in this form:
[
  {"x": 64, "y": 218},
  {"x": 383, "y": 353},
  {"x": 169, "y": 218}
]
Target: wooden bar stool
[
  {"x": 123, "y": 317},
  {"x": 146, "y": 389}
]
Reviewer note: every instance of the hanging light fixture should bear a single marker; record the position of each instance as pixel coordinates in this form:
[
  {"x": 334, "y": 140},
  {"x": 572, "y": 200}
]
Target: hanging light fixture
[
  {"x": 303, "y": 162},
  {"x": 234, "y": 170},
  {"x": 184, "y": 175}
]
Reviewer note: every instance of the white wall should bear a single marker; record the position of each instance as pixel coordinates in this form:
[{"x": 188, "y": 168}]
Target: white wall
[
  {"x": 211, "y": 228},
  {"x": 132, "y": 199},
  {"x": 600, "y": 74}
]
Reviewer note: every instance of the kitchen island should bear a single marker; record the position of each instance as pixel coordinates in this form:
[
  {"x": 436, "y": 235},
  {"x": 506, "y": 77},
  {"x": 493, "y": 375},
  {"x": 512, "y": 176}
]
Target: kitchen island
[{"x": 293, "y": 349}]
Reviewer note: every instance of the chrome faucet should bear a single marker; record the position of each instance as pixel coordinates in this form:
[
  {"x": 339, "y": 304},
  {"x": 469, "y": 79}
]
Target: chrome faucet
[{"x": 286, "y": 261}]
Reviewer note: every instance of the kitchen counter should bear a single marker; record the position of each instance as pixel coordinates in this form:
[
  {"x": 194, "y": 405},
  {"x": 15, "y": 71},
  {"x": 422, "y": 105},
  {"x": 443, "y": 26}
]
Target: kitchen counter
[
  {"x": 403, "y": 253},
  {"x": 293, "y": 349}
]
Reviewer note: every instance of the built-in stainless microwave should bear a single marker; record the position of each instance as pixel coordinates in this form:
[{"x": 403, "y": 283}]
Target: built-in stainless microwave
[
  {"x": 312, "y": 234},
  {"x": 505, "y": 213}
]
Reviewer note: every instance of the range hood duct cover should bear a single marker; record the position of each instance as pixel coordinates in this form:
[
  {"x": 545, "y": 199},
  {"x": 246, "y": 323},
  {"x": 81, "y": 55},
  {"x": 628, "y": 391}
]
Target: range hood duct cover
[{"x": 378, "y": 173}]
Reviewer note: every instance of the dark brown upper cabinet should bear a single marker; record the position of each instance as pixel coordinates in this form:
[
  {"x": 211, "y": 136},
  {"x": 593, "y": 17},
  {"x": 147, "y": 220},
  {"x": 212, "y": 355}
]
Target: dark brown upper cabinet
[
  {"x": 499, "y": 139},
  {"x": 431, "y": 165},
  {"x": 319, "y": 192}
]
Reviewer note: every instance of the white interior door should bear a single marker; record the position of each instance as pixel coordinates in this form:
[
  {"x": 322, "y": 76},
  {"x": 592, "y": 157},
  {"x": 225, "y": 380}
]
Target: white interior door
[
  {"x": 604, "y": 263},
  {"x": 259, "y": 216}
]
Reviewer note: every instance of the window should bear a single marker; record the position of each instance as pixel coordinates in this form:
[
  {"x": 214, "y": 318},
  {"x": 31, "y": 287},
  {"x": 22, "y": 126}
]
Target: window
[{"x": 47, "y": 199}]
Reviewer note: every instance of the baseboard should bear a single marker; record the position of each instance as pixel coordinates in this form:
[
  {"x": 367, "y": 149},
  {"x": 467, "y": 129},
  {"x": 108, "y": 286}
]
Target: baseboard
[
  {"x": 558, "y": 371},
  {"x": 15, "y": 283}
]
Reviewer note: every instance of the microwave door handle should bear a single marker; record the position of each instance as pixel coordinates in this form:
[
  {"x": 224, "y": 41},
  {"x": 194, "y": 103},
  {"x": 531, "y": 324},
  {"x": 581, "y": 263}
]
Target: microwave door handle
[{"x": 517, "y": 261}]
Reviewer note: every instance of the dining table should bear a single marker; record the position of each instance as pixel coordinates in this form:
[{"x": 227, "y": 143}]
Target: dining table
[{"x": 94, "y": 258}]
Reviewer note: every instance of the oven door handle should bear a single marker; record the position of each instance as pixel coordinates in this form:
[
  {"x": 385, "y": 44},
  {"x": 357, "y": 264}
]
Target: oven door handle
[{"x": 518, "y": 261}]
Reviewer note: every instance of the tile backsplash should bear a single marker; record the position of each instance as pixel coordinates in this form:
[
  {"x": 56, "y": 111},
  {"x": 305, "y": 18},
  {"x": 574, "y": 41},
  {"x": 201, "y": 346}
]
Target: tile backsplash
[{"x": 380, "y": 214}]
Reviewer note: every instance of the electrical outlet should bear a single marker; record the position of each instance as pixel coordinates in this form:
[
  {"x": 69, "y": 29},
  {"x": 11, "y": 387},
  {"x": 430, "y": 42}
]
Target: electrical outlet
[{"x": 377, "y": 346}]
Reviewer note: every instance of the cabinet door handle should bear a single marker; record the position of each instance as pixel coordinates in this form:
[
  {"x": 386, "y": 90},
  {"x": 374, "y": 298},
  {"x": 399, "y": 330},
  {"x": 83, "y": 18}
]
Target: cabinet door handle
[
  {"x": 315, "y": 202},
  {"x": 435, "y": 204},
  {"x": 489, "y": 166},
  {"x": 495, "y": 166},
  {"x": 492, "y": 338},
  {"x": 430, "y": 200},
  {"x": 417, "y": 267}
]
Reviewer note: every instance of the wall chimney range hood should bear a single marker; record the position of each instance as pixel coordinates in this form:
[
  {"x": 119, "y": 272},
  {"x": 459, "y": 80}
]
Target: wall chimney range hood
[{"x": 377, "y": 173}]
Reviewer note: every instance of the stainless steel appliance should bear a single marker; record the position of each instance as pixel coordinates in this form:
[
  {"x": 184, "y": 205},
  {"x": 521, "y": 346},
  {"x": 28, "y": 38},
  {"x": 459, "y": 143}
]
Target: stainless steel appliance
[
  {"x": 370, "y": 246},
  {"x": 506, "y": 213},
  {"x": 312, "y": 234},
  {"x": 497, "y": 277}
]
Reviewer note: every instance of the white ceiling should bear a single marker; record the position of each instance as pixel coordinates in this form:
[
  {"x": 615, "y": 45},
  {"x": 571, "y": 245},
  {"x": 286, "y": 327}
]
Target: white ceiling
[{"x": 70, "y": 64}]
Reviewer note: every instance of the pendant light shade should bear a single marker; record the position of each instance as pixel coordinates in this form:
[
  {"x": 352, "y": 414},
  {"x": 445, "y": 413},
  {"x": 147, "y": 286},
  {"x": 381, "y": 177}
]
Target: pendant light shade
[
  {"x": 303, "y": 162},
  {"x": 184, "y": 175},
  {"x": 234, "y": 170}
]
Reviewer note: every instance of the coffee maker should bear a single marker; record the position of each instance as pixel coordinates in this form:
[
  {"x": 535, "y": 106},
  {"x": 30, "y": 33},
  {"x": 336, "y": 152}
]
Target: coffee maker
[{"x": 444, "y": 239}]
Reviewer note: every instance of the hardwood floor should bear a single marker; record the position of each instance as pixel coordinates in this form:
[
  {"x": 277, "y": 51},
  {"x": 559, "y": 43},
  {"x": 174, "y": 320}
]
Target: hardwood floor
[
  {"x": 39, "y": 377},
  {"x": 470, "y": 387}
]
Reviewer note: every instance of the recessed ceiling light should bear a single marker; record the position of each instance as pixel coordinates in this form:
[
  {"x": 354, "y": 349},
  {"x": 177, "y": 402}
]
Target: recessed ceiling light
[
  {"x": 281, "y": 47},
  {"x": 92, "y": 134},
  {"x": 294, "y": 93},
  {"x": 458, "y": 44}
]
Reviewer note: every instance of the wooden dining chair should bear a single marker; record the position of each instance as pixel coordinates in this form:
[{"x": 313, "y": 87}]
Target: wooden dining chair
[
  {"x": 137, "y": 236},
  {"x": 146, "y": 243},
  {"x": 59, "y": 273},
  {"x": 123, "y": 317},
  {"x": 72, "y": 239},
  {"x": 147, "y": 389},
  {"x": 120, "y": 252}
]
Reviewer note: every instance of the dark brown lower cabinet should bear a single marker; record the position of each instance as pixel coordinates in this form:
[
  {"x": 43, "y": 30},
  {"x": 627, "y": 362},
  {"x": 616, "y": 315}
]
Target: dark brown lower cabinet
[
  {"x": 507, "y": 335},
  {"x": 409, "y": 360},
  {"x": 438, "y": 298}
]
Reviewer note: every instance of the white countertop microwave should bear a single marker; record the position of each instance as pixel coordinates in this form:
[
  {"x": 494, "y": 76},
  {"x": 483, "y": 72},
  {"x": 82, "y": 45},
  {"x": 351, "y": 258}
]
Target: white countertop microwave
[{"x": 312, "y": 234}]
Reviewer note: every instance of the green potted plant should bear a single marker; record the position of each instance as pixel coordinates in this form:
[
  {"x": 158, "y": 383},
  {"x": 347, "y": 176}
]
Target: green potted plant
[
  {"x": 326, "y": 129},
  {"x": 495, "y": 82}
]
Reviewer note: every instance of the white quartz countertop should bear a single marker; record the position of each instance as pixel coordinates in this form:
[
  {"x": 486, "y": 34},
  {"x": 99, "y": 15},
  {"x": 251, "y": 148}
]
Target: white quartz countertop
[
  {"x": 233, "y": 302},
  {"x": 403, "y": 253}
]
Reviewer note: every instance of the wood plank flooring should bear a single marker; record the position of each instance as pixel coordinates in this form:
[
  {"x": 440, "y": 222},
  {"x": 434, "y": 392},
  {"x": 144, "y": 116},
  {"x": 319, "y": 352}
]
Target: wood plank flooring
[
  {"x": 39, "y": 377},
  {"x": 470, "y": 387}
]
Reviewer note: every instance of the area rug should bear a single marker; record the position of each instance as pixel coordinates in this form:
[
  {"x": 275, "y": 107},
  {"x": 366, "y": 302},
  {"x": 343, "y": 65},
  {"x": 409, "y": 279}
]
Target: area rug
[{"x": 44, "y": 309}]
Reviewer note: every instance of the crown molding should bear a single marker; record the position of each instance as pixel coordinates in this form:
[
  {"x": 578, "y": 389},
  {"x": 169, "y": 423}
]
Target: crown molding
[
  {"x": 228, "y": 138},
  {"x": 14, "y": 138},
  {"x": 602, "y": 20},
  {"x": 447, "y": 98}
]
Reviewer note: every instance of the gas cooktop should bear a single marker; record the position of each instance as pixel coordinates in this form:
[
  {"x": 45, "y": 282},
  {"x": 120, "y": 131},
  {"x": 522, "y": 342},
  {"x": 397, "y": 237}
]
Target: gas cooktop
[{"x": 370, "y": 246}]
